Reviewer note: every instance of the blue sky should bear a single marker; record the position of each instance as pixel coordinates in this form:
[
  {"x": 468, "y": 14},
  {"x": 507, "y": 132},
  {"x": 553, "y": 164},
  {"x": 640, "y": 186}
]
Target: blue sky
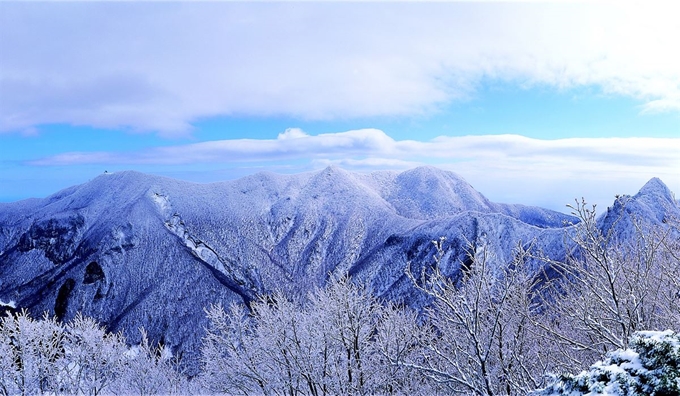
[{"x": 534, "y": 103}]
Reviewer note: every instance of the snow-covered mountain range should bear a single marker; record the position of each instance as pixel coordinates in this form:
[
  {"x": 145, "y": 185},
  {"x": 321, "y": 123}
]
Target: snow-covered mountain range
[{"x": 132, "y": 250}]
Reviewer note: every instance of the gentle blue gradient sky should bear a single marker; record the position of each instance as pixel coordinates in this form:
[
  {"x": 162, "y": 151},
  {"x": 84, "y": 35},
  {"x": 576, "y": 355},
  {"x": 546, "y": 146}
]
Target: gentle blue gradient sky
[{"x": 175, "y": 88}]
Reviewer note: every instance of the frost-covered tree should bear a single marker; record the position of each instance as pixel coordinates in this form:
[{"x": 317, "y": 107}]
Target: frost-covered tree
[
  {"x": 482, "y": 341},
  {"x": 33, "y": 353},
  {"x": 399, "y": 344},
  {"x": 230, "y": 363},
  {"x": 271, "y": 350},
  {"x": 79, "y": 357},
  {"x": 347, "y": 316},
  {"x": 326, "y": 344},
  {"x": 149, "y": 369},
  {"x": 93, "y": 358},
  {"x": 610, "y": 286}
]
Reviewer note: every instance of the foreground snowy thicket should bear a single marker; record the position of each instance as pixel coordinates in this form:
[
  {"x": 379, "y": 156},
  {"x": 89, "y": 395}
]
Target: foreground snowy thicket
[
  {"x": 491, "y": 331},
  {"x": 80, "y": 357},
  {"x": 651, "y": 366}
]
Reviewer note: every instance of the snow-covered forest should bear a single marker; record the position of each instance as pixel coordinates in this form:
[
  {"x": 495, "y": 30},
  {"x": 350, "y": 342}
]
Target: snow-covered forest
[{"x": 608, "y": 311}]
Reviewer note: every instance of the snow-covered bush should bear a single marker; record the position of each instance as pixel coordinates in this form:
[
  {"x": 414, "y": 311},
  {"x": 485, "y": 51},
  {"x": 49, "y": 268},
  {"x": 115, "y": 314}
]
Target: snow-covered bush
[
  {"x": 32, "y": 354},
  {"x": 651, "y": 366},
  {"x": 93, "y": 357},
  {"x": 80, "y": 357},
  {"x": 148, "y": 369}
]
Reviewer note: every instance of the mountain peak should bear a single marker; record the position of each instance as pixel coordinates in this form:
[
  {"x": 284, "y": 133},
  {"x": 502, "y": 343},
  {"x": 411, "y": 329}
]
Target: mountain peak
[
  {"x": 332, "y": 172},
  {"x": 429, "y": 170},
  {"x": 124, "y": 176},
  {"x": 656, "y": 187},
  {"x": 332, "y": 168}
]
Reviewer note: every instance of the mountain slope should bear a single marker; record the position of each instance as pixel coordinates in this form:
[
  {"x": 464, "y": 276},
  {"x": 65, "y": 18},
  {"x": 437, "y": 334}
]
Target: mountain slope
[{"x": 138, "y": 250}]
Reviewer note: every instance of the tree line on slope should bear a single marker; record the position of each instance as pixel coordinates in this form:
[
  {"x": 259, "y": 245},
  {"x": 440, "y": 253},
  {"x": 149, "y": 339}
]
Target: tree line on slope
[{"x": 492, "y": 331}]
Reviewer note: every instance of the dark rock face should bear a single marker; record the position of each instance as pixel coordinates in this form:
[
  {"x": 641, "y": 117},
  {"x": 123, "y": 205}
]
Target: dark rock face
[
  {"x": 93, "y": 273},
  {"x": 58, "y": 238},
  {"x": 136, "y": 250},
  {"x": 61, "y": 304}
]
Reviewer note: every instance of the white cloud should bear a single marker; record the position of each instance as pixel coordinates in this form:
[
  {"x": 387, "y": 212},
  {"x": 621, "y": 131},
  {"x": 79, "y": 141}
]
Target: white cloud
[
  {"x": 362, "y": 145},
  {"x": 161, "y": 66},
  {"x": 292, "y": 133}
]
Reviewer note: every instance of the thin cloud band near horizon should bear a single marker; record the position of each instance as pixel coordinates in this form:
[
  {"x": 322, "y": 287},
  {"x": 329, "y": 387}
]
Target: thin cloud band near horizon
[{"x": 375, "y": 144}]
